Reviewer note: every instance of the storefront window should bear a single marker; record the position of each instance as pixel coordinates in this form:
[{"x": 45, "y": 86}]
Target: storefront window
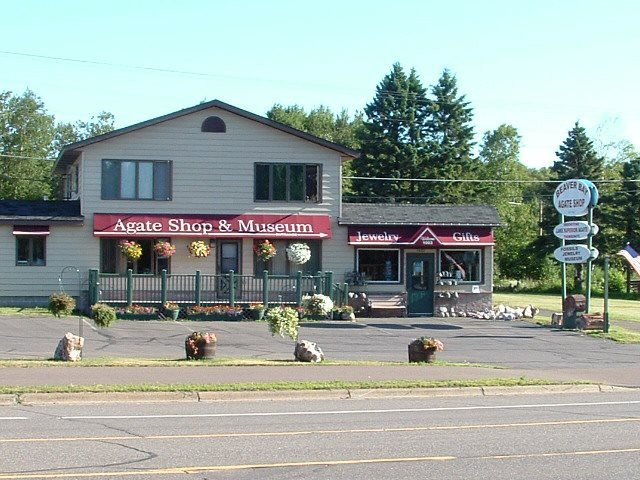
[
  {"x": 461, "y": 265},
  {"x": 280, "y": 264},
  {"x": 30, "y": 250},
  {"x": 379, "y": 265},
  {"x": 112, "y": 260}
]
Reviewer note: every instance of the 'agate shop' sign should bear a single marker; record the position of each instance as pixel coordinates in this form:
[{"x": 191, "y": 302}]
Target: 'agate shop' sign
[{"x": 216, "y": 226}]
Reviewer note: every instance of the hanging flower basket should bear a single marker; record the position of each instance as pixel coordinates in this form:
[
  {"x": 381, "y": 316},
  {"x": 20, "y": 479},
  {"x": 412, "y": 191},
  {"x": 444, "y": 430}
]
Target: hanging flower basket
[
  {"x": 199, "y": 248},
  {"x": 265, "y": 250},
  {"x": 130, "y": 249},
  {"x": 298, "y": 253},
  {"x": 164, "y": 249}
]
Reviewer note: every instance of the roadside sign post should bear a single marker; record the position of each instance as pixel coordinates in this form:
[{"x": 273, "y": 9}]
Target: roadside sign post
[
  {"x": 605, "y": 326},
  {"x": 576, "y": 198},
  {"x": 590, "y": 246}
]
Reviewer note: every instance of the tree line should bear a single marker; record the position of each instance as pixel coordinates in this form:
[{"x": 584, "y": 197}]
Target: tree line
[
  {"x": 421, "y": 136},
  {"x": 412, "y": 133}
]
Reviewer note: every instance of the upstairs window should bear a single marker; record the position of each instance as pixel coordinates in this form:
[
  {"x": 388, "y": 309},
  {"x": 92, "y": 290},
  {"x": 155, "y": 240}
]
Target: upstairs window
[
  {"x": 287, "y": 182},
  {"x": 136, "y": 180},
  {"x": 213, "y": 125}
]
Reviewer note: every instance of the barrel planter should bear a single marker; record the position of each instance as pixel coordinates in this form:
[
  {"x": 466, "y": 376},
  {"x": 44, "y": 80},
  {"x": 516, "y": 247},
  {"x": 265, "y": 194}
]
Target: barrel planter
[
  {"x": 200, "y": 346},
  {"x": 419, "y": 354}
]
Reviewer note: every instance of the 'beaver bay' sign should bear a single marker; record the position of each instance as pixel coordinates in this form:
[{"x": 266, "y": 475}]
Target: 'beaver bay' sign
[{"x": 573, "y": 198}]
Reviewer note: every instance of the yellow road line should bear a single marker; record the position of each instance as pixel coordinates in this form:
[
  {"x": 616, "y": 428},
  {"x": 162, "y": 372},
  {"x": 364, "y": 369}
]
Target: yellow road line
[
  {"x": 220, "y": 468},
  {"x": 322, "y": 432}
]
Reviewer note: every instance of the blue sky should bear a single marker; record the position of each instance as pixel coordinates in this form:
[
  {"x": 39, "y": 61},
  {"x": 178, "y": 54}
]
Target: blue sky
[{"x": 538, "y": 65}]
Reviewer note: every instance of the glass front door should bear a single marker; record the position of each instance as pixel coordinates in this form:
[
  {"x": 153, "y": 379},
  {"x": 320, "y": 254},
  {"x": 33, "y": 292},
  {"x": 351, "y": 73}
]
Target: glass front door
[{"x": 420, "y": 283}]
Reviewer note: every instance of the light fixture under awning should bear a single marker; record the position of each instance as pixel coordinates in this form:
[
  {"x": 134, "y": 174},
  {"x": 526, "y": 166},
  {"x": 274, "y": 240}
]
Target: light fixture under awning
[{"x": 31, "y": 230}]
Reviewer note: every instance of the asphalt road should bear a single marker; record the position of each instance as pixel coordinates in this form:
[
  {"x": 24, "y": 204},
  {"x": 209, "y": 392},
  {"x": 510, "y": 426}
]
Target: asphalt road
[
  {"x": 587, "y": 436},
  {"x": 516, "y": 344}
]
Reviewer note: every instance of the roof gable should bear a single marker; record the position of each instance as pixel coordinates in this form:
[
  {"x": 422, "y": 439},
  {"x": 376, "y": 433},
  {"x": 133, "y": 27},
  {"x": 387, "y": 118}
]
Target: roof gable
[{"x": 70, "y": 152}]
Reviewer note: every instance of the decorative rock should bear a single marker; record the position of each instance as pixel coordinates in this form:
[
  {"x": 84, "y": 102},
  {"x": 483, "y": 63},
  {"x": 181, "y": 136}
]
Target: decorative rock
[
  {"x": 307, "y": 351},
  {"x": 69, "y": 348}
]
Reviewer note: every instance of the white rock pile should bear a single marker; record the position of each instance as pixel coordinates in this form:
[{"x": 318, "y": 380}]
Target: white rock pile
[
  {"x": 499, "y": 312},
  {"x": 307, "y": 351}
]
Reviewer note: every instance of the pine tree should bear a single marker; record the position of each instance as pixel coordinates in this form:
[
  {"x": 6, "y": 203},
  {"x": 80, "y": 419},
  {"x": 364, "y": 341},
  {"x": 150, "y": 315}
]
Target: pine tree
[
  {"x": 392, "y": 139},
  {"x": 577, "y": 157},
  {"x": 450, "y": 139}
]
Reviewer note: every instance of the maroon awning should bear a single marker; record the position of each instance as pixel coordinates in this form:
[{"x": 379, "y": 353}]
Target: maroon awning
[
  {"x": 31, "y": 230},
  {"x": 420, "y": 236},
  {"x": 289, "y": 226}
]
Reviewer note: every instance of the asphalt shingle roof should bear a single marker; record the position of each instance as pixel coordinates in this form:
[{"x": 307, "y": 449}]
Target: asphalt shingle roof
[
  {"x": 40, "y": 210},
  {"x": 413, "y": 214}
]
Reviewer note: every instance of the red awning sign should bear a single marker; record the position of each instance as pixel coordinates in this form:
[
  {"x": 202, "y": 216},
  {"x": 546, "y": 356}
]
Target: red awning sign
[
  {"x": 420, "y": 236},
  {"x": 215, "y": 226}
]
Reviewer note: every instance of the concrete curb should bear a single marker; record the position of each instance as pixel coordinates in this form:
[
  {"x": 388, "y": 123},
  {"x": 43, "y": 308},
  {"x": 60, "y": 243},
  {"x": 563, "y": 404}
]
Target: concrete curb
[{"x": 341, "y": 394}]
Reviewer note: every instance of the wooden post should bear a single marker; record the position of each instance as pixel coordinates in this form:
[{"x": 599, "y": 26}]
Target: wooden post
[
  {"x": 163, "y": 286},
  {"x": 265, "y": 288},
  {"x": 129, "y": 287},
  {"x": 345, "y": 292},
  {"x": 328, "y": 284},
  {"x": 299, "y": 288},
  {"x": 198, "y": 288},
  {"x": 232, "y": 289},
  {"x": 93, "y": 287}
]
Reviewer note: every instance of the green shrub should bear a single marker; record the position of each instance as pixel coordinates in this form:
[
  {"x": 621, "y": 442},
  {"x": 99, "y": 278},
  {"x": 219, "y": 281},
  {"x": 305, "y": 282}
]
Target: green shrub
[
  {"x": 61, "y": 304},
  {"x": 103, "y": 315}
]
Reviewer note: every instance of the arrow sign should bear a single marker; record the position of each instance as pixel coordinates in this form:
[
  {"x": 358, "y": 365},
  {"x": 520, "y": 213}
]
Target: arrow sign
[
  {"x": 573, "y": 253},
  {"x": 575, "y": 230}
]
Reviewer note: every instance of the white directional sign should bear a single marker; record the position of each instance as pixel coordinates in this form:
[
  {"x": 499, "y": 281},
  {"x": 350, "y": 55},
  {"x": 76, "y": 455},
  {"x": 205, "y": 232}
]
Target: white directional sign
[
  {"x": 572, "y": 198},
  {"x": 575, "y": 253},
  {"x": 575, "y": 230}
]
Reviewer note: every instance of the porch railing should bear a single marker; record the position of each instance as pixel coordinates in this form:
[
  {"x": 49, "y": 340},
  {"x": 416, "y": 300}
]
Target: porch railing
[{"x": 198, "y": 289}]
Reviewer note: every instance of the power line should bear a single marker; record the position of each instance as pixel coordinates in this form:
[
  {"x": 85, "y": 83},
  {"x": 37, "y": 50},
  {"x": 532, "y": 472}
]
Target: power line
[
  {"x": 26, "y": 158},
  {"x": 466, "y": 180}
]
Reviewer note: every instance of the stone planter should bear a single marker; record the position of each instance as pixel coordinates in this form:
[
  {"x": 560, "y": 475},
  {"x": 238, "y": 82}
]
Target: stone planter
[
  {"x": 174, "y": 314},
  {"x": 417, "y": 353}
]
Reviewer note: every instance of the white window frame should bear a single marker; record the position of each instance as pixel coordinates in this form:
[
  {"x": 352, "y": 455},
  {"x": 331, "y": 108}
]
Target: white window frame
[{"x": 388, "y": 282}]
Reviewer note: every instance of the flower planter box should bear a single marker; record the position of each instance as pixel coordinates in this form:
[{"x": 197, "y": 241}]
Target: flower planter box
[
  {"x": 137, "y": 316},
  {"x": 213, "y": 318},
  {"x": 314, "y": 318},
  {"x": 256, "y": 314}
]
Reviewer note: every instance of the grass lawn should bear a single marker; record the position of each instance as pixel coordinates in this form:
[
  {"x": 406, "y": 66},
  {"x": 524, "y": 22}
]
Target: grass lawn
[
  {"x": 271, "y": 386},
  {"x": 24, "y": 311},
  {"x": 213, "y": 362},
  {"x": 618, "y": 309}
]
